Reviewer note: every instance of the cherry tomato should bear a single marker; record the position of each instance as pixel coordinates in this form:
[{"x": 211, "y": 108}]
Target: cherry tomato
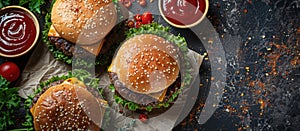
[
  {"x": 138, "y": 24},
  {"x": 143, "y": 118},
  {"x": 138, "y": 17},
  {"x": 142, "y": 2},
  {"x": 10, "y": 71},
  {"x": 130, "y": 23},
  {"x": 147, "y": 18}
]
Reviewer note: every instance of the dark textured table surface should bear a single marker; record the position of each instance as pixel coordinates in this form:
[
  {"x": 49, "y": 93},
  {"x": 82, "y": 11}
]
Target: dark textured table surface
[{"x": 261, "y": 43}]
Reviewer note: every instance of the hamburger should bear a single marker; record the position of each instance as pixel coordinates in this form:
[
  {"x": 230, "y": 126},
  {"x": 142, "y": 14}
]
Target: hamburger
[
  {"x": 67, "y": 104},
  {"x": 147, "y": 72},
  {"x": 86, "y": 23}
]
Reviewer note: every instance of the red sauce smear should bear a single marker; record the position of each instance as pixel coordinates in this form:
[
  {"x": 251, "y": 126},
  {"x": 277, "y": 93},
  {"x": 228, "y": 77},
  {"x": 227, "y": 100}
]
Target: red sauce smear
[
  {"x": 17, "y": 31},
  {"x": 183, "y": 12}
]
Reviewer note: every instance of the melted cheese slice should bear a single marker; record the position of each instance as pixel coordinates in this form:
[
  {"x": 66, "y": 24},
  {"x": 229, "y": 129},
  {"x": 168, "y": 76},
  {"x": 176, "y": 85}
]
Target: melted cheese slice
[
  {"x": 94, "y": 48},
  {"x": 53, "y": 32},
  {"x": 159, "y": 95}
]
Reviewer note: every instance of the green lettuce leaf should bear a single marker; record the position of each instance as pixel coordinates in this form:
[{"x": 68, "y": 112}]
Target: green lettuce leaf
[{"x": 9, "y": 102}]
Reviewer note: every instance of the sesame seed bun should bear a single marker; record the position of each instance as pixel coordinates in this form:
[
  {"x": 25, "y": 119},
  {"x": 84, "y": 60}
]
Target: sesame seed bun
[
  {"x": 60, "y": 108},
  {"x": 83, "y": 22},
  {"x": 146, "y": 64}
]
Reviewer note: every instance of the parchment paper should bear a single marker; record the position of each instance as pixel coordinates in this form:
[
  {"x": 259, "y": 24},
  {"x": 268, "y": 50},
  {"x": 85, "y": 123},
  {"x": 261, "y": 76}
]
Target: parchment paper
[{"x": 42, "y": 66}]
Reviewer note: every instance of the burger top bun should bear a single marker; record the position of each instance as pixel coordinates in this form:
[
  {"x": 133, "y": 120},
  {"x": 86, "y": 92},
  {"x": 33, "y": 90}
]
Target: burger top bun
[
  {"x": 146, "y": 63},
  {"x": 61, "y": 108},
  {"x": 83, "y": 22}
]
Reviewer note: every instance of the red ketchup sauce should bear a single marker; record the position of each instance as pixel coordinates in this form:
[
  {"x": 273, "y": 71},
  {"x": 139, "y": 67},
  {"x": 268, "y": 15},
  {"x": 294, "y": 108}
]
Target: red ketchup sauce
[
  {"x": 183, "y": 12},
  {"x": 17, "y": 31}
]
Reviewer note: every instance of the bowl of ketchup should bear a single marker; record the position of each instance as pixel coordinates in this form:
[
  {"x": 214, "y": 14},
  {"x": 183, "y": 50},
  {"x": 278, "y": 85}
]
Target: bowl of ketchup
[
  {"x": 183, "y": 13},
  {"x": 19, "y": 31}
]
